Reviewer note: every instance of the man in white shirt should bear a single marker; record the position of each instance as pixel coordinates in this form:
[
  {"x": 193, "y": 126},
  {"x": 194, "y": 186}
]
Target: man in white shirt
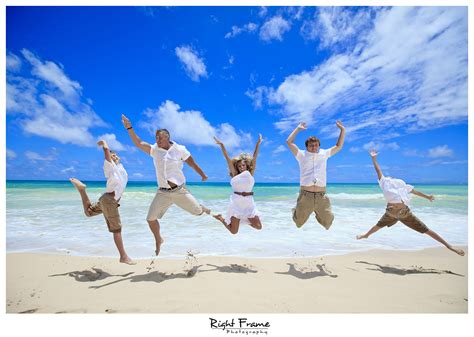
[
  {"x": 397, "y": 195},
  {"x": 107, "y": 205},
  {"x": 312, "y": 162},
  {"x": 168, "y": 158}
]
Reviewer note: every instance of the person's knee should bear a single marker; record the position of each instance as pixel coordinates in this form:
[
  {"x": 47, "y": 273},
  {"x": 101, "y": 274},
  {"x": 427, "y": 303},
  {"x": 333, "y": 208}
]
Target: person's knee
[
  {"x": 298, "y": 221},
  {"x": 234, "y": 230},
  {"x": 258, "y": 226}
]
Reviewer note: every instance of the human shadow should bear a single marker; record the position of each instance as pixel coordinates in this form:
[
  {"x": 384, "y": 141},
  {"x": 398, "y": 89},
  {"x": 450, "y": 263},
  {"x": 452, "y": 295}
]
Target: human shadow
[
  {"x": 404, "y": 271},
  {"x": 155, "y": 276},
  {"x": 232, "y": 268},
  {"x": 322, "y": 271},
  {"x": 89, "y": 276}
]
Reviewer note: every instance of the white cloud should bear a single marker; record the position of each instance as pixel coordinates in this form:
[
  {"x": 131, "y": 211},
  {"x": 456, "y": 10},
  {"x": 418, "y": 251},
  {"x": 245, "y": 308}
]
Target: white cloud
[
  {"x": 192, "y": 63},
  {"x": 112, "y": 142},
  {"x": 407, "y": 74},
  {"x": 440, "y": 151},
  {"x": 236, "y": 30},
  {"x": 279, "y": 149},
  {"x": 37, "y": 157},
  {"x": 262, "y": 11},
  {"x": 412, "y": 153},
  {"x": 274, "y": 28},
  {"x": 13, "y": 62},
  {"x": 191, "y": 127},
  {"x": 138, "y": 175},
  {"x": 373, "y": 145},
  {"x": 257, "y": 95},
  {"x": 333, "y": 25},
  {"x": 51, "y": 105},
  {"x": 69, "y": 169},
  {"x": 11, "y": 154}
]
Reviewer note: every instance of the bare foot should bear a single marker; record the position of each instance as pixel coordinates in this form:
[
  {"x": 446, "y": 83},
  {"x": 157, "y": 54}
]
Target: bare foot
[
  {"x": 205, "y": 209},
  {"x": 158, "y": 247},
  {"x": 458, "y": 251},
  {"x": 365, "y": 236},
  {"x": 78, "y": 184},
  {"x": 220, "y": 218},
  {"x": 127, "y": 260}
]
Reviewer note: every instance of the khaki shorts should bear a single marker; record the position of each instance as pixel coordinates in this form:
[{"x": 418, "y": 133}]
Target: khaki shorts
[
  {"x": 393, "y": 215},
  {"x": 180, "y": 197},
  {"x": 309, "y": 202},
  {"x": 108, "y": 206}
]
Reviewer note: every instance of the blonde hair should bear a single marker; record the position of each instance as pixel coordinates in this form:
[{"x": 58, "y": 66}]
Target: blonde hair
[{"x": 247, "y": 158}]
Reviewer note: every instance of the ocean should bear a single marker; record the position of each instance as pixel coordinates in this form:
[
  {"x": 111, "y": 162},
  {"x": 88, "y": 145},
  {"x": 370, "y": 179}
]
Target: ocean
[{"x": 47, "y": 217}]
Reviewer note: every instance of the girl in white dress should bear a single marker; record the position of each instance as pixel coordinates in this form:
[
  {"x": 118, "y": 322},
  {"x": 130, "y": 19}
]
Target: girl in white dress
[{"x": 242, "y": 207}]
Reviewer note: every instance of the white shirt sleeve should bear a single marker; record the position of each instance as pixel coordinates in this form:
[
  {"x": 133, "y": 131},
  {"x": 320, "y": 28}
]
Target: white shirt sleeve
[
  {"x": 326, "y": 153},
  {"x": 381, "y": 181},
  {"x": 108, "y": 168},
  {"x": 153, "y": 149},
  {"x": 409, "y": 188},
  {"x": 185, "y": 154},
  {"x": 299, "y": 155}
]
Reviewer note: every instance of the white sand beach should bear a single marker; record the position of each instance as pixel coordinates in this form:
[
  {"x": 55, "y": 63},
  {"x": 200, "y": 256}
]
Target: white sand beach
[{"x": 432, "y": 280}]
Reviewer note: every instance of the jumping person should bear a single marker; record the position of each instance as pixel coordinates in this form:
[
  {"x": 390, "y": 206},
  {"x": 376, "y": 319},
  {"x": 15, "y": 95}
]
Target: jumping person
[
  {"x": 312, "y": 163},
  {"x": 396, "y": 193},
  {"x": 168, "y": 158},
  {"x": 242, "y": 207},
  {"x": 108, "y": 203}
]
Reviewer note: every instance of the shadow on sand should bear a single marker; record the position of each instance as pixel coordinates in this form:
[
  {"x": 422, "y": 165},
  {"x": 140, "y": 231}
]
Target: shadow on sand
[
  {"x": 89, "y": 276},
  {"x": 232, "y": 268},
  {"x": 322, "y": 271},
  {"x": 155, "y": 276},
  {"x": 403, "y": 271}
]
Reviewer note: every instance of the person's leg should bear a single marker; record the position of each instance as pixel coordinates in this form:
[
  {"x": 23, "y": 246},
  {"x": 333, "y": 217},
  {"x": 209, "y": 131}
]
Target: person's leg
[
  {"x": 304, "y": 207},
  {"x": 158, "y": 207},
  {"x": 255, "y": 222},
  {"x": 322, "y": 208},
  {"x": 233, "y": 227},
  {"x": 385, "y": 220},
  {"x": 124, "y": 258},
  {"x": 438, "y": 238},
  {"x": 369, "y": 233},
  {"x": 86, "y": 203},
  {"x": 185, "y": 200},
  {"x": 410, "y": 220}
]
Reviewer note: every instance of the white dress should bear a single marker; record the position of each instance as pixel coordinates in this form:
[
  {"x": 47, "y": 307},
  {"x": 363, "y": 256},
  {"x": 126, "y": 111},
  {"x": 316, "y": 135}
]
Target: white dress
[{"x": 241, "y": 207}]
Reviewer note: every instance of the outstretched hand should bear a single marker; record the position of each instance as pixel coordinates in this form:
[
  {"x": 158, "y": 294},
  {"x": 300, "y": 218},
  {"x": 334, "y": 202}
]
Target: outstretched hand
[
  {"x": 204, "y": 178},
  {"x": 126, "y": 122},
  {"x": 373, "y": 153},
  {"x": 218, "y": 142},
  {"x": 302, "y": 126},
  {"x": 102, "y": 143},
  {"x": 431, "y": 198},
  {"x": 340, "y": 125},
  {"x": 260, "y": 138}
]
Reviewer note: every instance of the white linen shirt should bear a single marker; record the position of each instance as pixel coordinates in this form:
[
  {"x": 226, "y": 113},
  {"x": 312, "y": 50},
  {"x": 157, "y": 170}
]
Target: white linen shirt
[
  {"x": 395, "y": 190},
  {"x": 313, "y": 167},
  {"x": 169, "y": 164},
  {"x": 117, "y": 178}
]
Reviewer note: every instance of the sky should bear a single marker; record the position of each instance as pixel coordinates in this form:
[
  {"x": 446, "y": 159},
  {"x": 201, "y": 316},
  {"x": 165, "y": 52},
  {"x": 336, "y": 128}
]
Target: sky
[{"x": 395, "y": 76}]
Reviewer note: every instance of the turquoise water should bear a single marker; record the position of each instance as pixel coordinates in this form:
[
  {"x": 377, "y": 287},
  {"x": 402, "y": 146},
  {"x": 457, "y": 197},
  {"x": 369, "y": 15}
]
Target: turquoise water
[{"x": 47, "y": 216}]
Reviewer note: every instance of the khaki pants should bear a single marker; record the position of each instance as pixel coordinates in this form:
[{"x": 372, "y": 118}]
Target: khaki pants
[
  {"x": 164, "y": 199},
  {"x": 309, "y": 202},
  {"x": 393, "y": 215},
  {"x": 108, "y": 206}
]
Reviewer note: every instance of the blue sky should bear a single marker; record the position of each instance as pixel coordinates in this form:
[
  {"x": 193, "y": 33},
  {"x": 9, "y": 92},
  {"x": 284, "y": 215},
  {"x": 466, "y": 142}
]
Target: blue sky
[{"x": 395, "y": 76}]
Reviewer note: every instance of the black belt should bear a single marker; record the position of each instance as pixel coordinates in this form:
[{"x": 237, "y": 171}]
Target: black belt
[
  {"x": 170, "y": 189},
  {"x": 244, "y": 194}
]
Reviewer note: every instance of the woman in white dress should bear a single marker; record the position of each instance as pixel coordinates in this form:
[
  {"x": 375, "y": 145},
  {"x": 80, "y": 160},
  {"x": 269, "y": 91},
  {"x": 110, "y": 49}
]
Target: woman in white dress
[{"x": 242, "y": 207}]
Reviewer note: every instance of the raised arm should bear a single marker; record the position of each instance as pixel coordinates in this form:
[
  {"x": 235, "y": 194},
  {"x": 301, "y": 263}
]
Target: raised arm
[
  {"x": 374, "y": 154},
  {"x": 418, "y": 193},
  {"x": 291, "y": 138},
  {"x": 340, "y": 140},
  {"x": 144, "y": 146},
  {"x": 232, "y": 169},
  {"x": 106, "y": 149},
  {"x": 190, "y": 161},
  {"x": 255, "y": 154}
]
